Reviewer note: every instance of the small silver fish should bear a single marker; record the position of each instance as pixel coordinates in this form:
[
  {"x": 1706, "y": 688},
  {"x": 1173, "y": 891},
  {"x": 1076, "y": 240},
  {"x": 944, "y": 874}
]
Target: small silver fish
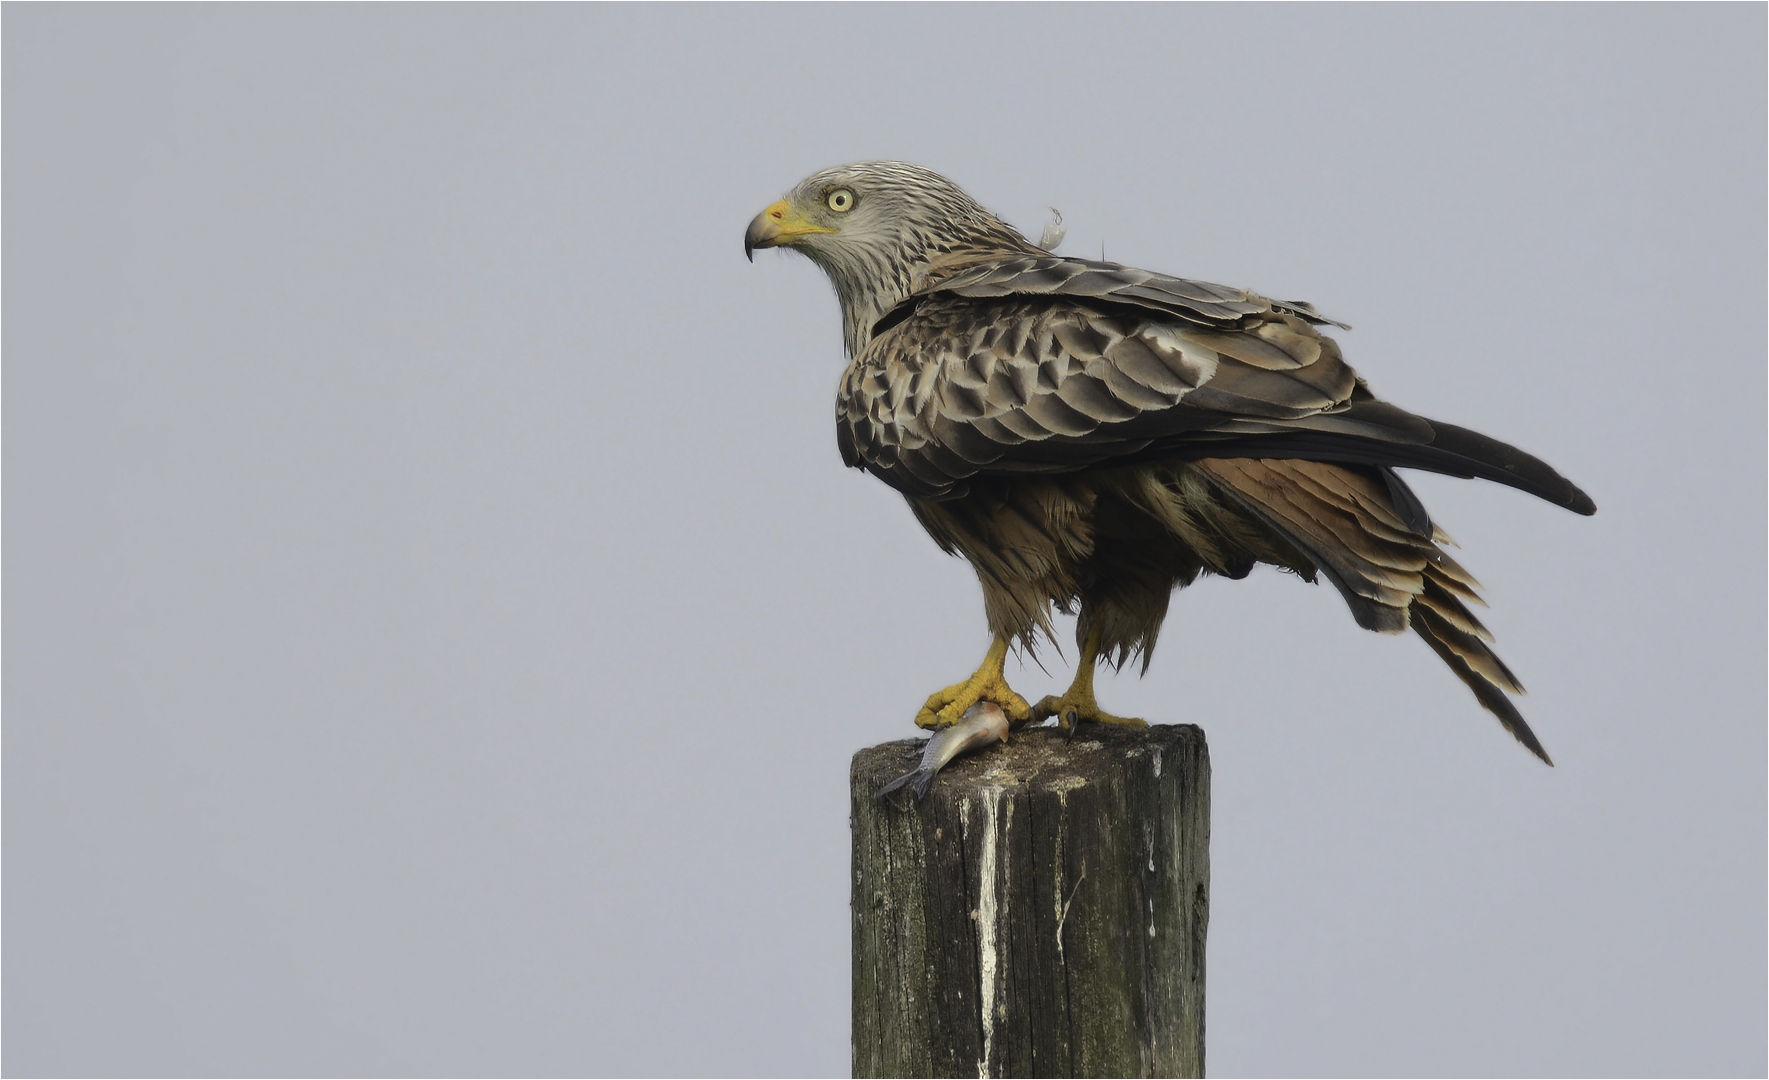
[{"x": 982, "y": 724}]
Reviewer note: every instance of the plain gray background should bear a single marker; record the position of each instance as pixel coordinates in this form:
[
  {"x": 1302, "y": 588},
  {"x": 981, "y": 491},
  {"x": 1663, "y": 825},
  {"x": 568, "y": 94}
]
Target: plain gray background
[{"x": 438, "y": 620}]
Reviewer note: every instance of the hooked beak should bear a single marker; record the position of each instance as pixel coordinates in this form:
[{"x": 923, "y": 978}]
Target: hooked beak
[{"x": 775, "y": 226}]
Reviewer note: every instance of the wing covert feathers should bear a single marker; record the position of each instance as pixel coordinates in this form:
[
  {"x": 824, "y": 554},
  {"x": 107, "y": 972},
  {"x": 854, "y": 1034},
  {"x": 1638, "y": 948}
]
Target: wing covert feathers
[{"x": 1049, "y": 365}]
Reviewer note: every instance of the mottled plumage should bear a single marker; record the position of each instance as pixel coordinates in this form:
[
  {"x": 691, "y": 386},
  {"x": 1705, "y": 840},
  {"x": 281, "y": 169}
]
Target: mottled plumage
[{"x": 1091, "y": 436}]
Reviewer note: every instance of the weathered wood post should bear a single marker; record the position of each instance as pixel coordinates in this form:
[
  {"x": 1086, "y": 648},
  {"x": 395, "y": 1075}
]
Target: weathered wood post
[{"x": 1041, "y": 913}]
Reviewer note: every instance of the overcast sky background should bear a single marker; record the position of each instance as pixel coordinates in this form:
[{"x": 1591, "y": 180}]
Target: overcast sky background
[{"x": 438, "y": 620}]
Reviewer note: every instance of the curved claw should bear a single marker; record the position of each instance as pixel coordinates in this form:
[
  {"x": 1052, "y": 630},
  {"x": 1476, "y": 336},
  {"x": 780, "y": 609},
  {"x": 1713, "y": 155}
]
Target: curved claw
[
  {"x": 1073, "y": 709},
  {"x": 1077, "y": 703}
]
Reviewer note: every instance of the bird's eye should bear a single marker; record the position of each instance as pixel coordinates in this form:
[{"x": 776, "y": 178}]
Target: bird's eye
[{"x": 841, "y": 200}]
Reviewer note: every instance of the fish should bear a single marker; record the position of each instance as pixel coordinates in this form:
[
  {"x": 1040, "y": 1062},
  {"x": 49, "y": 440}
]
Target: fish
[{"x": 982, "y": 724}]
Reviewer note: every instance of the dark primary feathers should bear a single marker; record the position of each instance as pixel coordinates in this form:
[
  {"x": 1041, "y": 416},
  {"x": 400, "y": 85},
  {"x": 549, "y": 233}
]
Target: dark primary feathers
[{"x": 1091, "y": 436}]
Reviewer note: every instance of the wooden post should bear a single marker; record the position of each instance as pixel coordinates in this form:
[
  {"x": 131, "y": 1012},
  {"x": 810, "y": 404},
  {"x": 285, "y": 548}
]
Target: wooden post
[{"x": 1041, "y": 913}]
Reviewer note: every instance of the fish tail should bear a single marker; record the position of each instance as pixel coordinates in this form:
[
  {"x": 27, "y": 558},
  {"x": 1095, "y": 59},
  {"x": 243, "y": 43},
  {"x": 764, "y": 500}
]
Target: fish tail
[{"x": 919, "y": 776}]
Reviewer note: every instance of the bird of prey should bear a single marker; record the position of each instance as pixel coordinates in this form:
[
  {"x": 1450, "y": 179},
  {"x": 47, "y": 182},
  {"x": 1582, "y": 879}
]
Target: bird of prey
[{"x": 1091, "y": 437}]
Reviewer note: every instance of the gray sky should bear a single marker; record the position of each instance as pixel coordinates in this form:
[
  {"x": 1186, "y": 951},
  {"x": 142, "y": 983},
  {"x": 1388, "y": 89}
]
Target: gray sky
[{"x": 438, "y": 620}]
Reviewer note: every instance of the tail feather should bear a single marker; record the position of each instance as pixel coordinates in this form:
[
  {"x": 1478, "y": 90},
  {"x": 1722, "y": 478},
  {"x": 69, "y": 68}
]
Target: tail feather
[
  {"x": 1449, "y": 607},
  {"x": 1488, "y": 694},
  {"x": 1385, "y": 560},
  {"x": 1470, "y": 644},
  {"x": 1378, "y": 580},
  {"x": 1453, "y": 577}
]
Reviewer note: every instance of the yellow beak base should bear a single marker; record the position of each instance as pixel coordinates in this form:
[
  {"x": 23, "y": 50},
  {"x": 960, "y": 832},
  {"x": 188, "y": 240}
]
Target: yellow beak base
[{"x": 778, "y": 225}]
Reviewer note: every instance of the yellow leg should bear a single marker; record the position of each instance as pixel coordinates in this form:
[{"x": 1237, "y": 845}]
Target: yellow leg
[
  {"x": 1077, "y": 703},
  {"x": 988, "y": 684}
]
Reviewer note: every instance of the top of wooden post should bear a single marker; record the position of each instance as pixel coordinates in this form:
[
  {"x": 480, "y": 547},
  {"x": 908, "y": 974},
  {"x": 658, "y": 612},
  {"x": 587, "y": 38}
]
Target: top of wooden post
[{"x": 1036, "y": 756}]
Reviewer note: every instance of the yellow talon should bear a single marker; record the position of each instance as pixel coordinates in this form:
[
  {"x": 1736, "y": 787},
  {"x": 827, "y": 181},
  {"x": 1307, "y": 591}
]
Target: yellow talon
[
  {"x": 989, "y": 683},
  {"x": 1078, "y": 705}
]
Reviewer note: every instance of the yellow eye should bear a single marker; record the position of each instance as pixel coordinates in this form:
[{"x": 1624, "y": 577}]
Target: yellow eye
[{"x": 841, "y": 200}]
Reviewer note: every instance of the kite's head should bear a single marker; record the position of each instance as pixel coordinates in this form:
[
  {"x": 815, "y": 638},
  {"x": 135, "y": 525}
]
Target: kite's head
[{"x": 880, "y": 230}]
